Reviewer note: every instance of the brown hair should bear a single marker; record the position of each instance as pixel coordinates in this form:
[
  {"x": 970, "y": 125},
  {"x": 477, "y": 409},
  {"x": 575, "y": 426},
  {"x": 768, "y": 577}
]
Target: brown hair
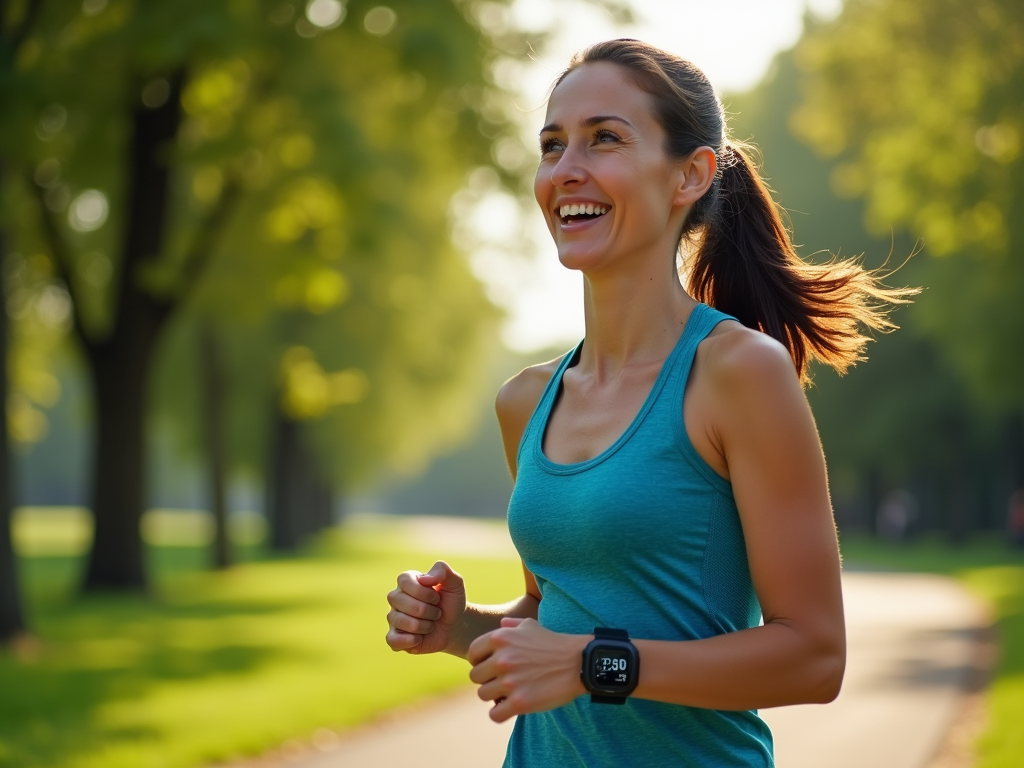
[{"x": 744, "y": 262}]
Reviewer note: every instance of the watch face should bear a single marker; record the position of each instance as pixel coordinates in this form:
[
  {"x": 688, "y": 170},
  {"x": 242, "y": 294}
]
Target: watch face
[{"x": 610, "y": 668}]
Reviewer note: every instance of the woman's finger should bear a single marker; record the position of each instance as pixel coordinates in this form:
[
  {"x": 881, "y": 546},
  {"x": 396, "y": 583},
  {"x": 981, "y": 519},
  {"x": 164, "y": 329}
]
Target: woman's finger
[
  {"x": 483, "y": 671},
  {"x": 409, "y": 605},
  {"x": 442, "y": 575},
  {"x": 503, "y": 709},
  {"x": 481, "y": 648},
  {"x": 493, "y": 690},
  {"x": 408, "y": 582},
  {"x": 407, "y": 623},
  {"x": 402, "y": 641}
]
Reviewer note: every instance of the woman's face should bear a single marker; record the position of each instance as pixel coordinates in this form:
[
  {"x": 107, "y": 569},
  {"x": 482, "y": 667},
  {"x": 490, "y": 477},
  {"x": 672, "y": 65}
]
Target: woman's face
[{"x": 607, "y": 189}]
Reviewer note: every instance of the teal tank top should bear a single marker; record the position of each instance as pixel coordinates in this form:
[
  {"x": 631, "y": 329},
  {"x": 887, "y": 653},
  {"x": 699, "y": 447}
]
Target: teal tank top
[{"x": 644, "y": 537}]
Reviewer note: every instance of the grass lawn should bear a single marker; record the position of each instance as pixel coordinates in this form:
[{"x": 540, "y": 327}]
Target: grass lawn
[
  {"x": 996, "y": 574},
  {"x": 219, "y": 665},
  {"x": 223, "y": 665}
]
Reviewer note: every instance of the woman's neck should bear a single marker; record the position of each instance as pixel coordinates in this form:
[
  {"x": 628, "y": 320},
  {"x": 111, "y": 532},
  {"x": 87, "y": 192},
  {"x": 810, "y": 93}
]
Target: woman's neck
[{"x": 633, "y": 317}]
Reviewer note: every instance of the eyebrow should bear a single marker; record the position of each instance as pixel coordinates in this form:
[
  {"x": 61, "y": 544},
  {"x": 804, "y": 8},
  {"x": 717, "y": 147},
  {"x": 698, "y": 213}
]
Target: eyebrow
[{"x": 588, "y": 122}]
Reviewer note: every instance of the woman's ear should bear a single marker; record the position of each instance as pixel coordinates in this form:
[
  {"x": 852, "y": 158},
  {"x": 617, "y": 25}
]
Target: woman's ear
[{"x": 697, "y": 173}]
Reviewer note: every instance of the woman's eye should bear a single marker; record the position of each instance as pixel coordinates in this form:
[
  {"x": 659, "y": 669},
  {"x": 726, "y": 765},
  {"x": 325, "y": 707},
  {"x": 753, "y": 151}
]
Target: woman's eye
[
  {"x": 550, "y": 145},
  {"x": 606, "y": 136}
]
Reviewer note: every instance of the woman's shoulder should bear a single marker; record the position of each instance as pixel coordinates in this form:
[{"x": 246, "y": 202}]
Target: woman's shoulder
[
  {"x": 734, "y": 355},
  {"x": 744, "y": 385},
  {"x": 518, "y": 397},
  {"x": 516, "y": 401}
]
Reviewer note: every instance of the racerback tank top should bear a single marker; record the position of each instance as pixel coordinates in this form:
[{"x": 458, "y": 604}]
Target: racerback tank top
[{"x": 644, "y": 537}]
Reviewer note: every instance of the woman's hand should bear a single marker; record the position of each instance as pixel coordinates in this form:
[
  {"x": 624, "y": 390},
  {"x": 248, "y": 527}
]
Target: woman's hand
[
  {"x": 425, "y": 609},
  {"x": 523, "y": 667}
]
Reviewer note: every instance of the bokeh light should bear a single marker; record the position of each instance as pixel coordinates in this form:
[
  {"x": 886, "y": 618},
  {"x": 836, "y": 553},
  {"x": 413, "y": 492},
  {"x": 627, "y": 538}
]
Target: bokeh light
[{"x": 88, "y": 211}]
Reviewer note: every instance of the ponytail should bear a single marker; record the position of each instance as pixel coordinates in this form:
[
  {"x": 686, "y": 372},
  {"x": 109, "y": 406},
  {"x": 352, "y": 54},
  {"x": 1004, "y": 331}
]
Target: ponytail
[
  {"x": 743, "y": 262},
  {"x": 745, "y": 265}
]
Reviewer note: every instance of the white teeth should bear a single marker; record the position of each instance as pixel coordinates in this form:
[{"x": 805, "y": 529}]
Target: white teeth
[{"x": 588, "y": 208}]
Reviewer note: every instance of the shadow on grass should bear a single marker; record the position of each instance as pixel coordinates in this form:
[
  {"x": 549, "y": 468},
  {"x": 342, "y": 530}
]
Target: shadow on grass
[
  {"x": 1011, "y": 629},
  {"x": 211, "y": 665},
  {"x": 102, "y": 654},
  {"x": 55, "y": 702}
]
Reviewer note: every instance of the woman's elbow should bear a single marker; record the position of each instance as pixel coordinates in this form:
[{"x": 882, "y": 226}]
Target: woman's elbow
[{"x": 829, "y": 669}]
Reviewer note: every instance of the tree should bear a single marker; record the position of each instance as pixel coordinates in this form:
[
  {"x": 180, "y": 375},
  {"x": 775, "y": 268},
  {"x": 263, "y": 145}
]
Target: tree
[
  {"x": 905, "y": 417},
  {"x": 246, "y": 148},
  {"x": 14, "y": 30},
  {"x": 919, "y": 104}
]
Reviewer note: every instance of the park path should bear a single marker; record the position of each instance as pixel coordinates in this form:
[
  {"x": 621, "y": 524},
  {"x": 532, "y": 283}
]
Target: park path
[{"x": 913, "y": 643}]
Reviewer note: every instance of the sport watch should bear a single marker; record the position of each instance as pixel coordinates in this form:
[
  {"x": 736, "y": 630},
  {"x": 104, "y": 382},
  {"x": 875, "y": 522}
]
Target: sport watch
[{"x": 611, "y": 666}]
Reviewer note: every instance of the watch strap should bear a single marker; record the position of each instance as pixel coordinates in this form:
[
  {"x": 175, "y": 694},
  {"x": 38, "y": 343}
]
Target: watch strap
[
  {"x": 605, "y": 633},
  {"x": 595, "y": 699}
]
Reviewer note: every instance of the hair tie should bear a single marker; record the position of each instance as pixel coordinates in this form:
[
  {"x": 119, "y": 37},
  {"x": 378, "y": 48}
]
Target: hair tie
[{"x": 729, "y": 156}]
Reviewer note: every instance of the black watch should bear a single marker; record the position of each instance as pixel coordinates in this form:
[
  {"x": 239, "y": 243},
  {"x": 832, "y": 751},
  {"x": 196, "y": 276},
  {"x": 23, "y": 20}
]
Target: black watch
[{"x": 611, "y": 666}]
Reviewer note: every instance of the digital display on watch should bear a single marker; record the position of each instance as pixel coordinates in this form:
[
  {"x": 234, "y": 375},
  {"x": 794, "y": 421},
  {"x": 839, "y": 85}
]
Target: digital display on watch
[{"x": 610, "y": 668}]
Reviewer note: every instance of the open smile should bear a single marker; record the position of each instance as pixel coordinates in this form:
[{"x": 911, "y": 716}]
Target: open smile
[{"x": 581, "y": 212}]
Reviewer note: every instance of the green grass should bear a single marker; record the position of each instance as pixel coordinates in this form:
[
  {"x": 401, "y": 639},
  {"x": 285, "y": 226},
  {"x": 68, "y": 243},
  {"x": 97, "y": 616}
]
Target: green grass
[
  {"x": 217, "y": 666},
  {"x": 995, "y": 574}
]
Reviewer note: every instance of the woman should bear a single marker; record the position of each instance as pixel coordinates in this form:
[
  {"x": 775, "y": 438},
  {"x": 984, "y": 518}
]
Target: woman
[{"x": 671, "y": 504}]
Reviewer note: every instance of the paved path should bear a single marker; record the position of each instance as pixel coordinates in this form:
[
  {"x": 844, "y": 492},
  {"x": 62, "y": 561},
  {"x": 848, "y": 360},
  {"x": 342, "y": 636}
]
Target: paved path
[
  {"x": 912, "y": 643},
  {"x": 911, "y": 650}
]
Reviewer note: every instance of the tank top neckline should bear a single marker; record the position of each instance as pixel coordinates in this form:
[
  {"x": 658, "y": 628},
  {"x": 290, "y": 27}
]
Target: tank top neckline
[{"x": 555, "y": 384}]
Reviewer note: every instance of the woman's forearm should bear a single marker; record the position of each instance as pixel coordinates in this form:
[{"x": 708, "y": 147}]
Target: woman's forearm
[
  {"x": 480, "y": 619},
  {"x": 767, "y": 666}
]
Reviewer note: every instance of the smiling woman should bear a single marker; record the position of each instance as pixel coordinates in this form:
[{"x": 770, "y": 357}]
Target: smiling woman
[{"x": 671, "y": 505}]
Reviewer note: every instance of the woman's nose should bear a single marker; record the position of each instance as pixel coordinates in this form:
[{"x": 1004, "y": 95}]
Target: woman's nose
[{"x": 569, "y": 169}]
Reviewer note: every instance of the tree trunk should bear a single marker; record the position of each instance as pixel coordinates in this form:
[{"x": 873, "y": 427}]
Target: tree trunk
[
  {"x": 873, "y": 493},
  {"x": 120, "y": 364},
  {"x": 12, "y": 619},
  {"x": 960, "y": 497},
  {"x": 299, "y": 502},
  {"x": 214, "y": 431},
  {"x": 1015, "y": 449},
  {"x": 119, "y": 382}
]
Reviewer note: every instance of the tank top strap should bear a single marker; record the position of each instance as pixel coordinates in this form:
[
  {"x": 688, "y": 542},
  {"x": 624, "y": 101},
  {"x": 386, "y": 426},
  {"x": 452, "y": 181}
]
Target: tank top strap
[
  {"x": 547, "y": 400},
  {"x": 698, "y": 328},
  {"x": 702, "y": 321}
]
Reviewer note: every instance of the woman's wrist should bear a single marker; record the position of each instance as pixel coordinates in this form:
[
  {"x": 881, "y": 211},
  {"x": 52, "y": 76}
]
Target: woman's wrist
[
  {"x": 479, "y": 619},
  {"x": 476, "y": 620},
  {"x": 462, "y": 634}
]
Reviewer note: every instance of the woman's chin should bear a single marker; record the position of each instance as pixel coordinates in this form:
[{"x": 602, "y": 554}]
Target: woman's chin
[{"x": 580, "y": 260}]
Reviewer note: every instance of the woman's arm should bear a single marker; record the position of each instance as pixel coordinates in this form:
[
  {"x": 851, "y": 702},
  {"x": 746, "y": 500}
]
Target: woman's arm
[
  {"x": 757, "y": 421},
  {"x": 753, "y": 414},
  {"x": 481, "y": 619},
  {"x": 429, "y": 612}
]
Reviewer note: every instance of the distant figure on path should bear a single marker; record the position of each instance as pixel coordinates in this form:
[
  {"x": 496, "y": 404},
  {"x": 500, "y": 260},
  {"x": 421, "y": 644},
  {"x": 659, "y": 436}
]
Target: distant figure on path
[
  {"x": 1015, "y": 519},
  {"x": 896, "y": 516},
  {"x": 670, "y": 485}
]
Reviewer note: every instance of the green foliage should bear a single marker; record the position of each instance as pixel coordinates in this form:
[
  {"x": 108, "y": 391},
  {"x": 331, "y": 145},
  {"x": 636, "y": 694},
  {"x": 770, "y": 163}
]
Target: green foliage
[
  {"x": 919, "y": 103},
  {"x": 40, "y": 311},
  {"x": 311, "y": 179},
  {"x": 908, "y": 416},
  {"x": 996, "y": 575},
  {"x": 273, "y": 650}
]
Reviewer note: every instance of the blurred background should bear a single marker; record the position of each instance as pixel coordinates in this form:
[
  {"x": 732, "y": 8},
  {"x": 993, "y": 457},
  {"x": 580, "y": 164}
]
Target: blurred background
[{"x": 265, "y": 265}]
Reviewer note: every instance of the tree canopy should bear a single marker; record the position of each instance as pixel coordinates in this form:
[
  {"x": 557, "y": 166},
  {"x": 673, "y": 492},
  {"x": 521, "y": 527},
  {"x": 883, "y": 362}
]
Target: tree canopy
[
  {"x": 907, "y": 417},
  {"x": 281, "y": 171},
  {"x": 919, "y": 105}
]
